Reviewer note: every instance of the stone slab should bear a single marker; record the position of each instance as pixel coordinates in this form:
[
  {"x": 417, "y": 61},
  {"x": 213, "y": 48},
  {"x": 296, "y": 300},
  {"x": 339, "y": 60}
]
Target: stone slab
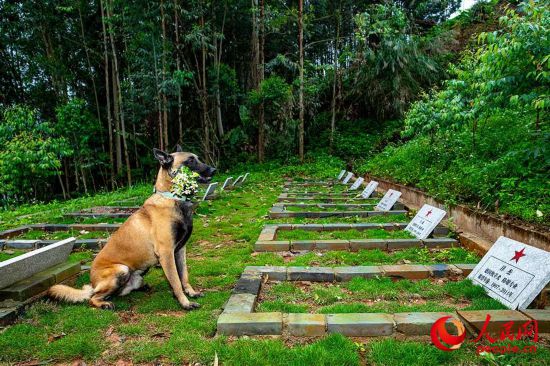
[
  {"x": 441, "y": 270},
  {"x": 7, "y": 315},
  {"x": 440, "y": 243},
  {"x": 542, "y": 317},
  {"x": 239, "y": 324},
  {"x": 407, "y": 271},
  {"x": 476, "y": 318},
  {"x": 465, "y": 268},
  {"x": 240, "y": 303},
  {"x": 314, "y": 274},
  {"x": 29, "y": 287},
  {"x": 306, "y": 325},
  {"x": 415, "y": 324},
  {"x": 311, "y": 227},
  {"x": 272, "y": 246},
  {"x": 348, "y": 273},
  {"x": 333, "y": 244},
  {"x": 275, "y": 273},
  {"x": 28, "y": 264},
  {"x": 22, "y": 244},
  {"x": 394, "y": 244},
  {"x": 302, "y": 244},
  {"x": 248, "y": 284},
  {"x": 357, "y": 244},
  {"x": 360, "y": 324},
  {"x": 62, "y": 271}
]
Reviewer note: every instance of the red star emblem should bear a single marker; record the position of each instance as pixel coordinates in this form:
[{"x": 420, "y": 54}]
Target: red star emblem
[
  {"x": 428, "y": 213},
  {"x": 518, "y": 255}
]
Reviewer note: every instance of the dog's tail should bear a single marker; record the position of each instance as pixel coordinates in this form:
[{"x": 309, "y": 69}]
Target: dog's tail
[{"x": 69, "y": 294}]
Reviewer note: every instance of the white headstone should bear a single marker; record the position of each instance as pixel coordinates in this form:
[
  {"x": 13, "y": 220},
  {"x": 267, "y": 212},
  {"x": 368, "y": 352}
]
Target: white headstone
[
  {"x": 341, "y": 174},
  {"x": 512, "y": 272},
  {"x": 211, "y": 188},
  {"x": 369, "y": 189},
  {"x": 237, "y": 181},
  {"x": 227, "y": 183},
  {"x": 244, "y": 178},
  {"x": 356, "y": 184},
  {"x": 347, "y": 178},
  {"x": 389, "y": 199},
  {"x": 425, "y": 221}
]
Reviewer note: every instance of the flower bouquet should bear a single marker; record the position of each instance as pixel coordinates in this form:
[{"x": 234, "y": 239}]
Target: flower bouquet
[{"x": 184, "y": 183}]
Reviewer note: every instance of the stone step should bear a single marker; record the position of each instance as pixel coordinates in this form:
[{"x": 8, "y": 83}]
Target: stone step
[{"x": 40, "y": 282}]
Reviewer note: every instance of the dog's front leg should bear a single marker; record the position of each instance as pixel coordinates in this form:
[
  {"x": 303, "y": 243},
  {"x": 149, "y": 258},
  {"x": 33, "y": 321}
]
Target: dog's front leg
[
  {"x": 168, "y": 263},
  {"x": 181, "y": 263}
]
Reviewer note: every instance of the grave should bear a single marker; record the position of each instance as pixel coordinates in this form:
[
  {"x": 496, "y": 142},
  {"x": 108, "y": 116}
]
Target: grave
[
  {"x": 388, "y": 201},
  {"x": 104, "y": 212},
  {"x": 347, "y": 178},
  {"x": 425, "y": 221},
  {"x": 241, "y": 315},
  {"x": 513, "y": 273},
  {"x": 279, "y": 210},
  {"x": 237, "y": 182},
  {"x": 270, "y": 241},
  {"x": 210, "y": 192},
  {"x": 28, "y": 264},
  {"x": 369, "y": 189},
  {"x": 356, "y": 184},
  {"x": 286, "y": 197},
  {"x": 227, "y": 183}
]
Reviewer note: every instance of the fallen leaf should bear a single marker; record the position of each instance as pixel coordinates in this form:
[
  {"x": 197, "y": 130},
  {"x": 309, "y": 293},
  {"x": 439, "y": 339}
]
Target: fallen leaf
[{"x": 55, "y": 337}]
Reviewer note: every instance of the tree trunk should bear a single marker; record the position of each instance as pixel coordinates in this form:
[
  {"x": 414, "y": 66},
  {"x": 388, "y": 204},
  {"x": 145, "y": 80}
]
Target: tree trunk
[
  {"x": 119, "y": 102},
  {"x": 178, "y": 68},
  {"x": 261, "y": 61},
  {"x": 301, "y": 93},
  {"x": 108, "y": 96},
  {"x": 204, "y": 98},
  {"x": 217, "y": 60},
  {"x": 164, "y": 99},
  {"x": 333, "y": 101},
  {"x": 96, "y": 98},
  {"x": 159, "y": 98}
]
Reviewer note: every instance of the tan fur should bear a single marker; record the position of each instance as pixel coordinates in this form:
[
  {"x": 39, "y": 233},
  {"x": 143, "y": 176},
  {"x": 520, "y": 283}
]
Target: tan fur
[{"x": 144, "y": 240}]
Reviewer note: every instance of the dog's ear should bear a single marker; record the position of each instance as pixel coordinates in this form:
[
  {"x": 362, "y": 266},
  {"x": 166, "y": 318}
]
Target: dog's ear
[
  {"x": 178, "y": 148},
  {"x": 164, "y": 159}
]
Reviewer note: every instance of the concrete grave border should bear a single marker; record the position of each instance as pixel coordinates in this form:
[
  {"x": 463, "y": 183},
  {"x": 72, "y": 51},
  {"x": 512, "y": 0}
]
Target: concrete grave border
[
  {"x": 267, "y": 241},
  {"x": 371, "y": 204},
  {"x": 88, "y": 212},
  {"x": 28, "y": 264},
  {"x": 278, "y": 210},
  {"x": 238, "y": 317},
  {"x": 285, "y": 197}
]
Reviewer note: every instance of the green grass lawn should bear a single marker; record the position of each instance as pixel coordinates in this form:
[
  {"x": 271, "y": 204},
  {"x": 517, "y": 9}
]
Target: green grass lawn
[
  {"x": 377, "y": 295},
  {"x": 378, "y": 219},
  {"x": 10, "y": 253},
  {"x": 59, "y": 235},
  {"x": 342, "y": 234},
  {"x": 150, "y": 327}
]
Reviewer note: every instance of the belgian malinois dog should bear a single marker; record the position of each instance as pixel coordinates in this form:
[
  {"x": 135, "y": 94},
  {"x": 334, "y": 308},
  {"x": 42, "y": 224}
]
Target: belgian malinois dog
[{"x": 156, "y": 233}]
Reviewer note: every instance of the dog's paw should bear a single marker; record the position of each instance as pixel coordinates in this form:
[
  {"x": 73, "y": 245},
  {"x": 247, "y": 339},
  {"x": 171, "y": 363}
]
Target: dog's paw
[
  {"x": 191, "y": 306},
  {"x": 108, "y": 305}
]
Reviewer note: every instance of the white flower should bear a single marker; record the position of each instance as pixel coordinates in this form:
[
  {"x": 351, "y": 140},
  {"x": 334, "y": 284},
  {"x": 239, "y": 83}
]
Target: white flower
[{"x": 184, "y": 184}]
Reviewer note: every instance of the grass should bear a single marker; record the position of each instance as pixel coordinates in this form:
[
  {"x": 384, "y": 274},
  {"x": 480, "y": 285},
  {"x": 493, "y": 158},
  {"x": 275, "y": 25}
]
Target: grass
[
  {"x": 342, "y": 234},
  {"x": 151, "y": 328},
  {"x": 374, "y": 296},
  {"x": 321, "y": 208},
  {"x": 58, "y": 235},
  {"x": 10, "y": 253}
]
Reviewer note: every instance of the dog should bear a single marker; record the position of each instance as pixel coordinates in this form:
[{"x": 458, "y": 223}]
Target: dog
[{"x": 156, "y": 233}]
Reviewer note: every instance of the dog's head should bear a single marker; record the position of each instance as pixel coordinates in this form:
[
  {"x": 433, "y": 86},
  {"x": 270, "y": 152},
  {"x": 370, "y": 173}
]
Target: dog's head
[{"x": 171, "y": 163}]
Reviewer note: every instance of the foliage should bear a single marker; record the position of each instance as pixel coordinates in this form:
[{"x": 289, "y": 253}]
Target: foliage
[
  {"x": 390, "y": 69},
  {"x": 29, "y": 153}
]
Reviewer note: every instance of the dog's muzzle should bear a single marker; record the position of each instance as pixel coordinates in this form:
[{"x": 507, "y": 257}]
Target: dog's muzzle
[{"x": 206, "y": 174}]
